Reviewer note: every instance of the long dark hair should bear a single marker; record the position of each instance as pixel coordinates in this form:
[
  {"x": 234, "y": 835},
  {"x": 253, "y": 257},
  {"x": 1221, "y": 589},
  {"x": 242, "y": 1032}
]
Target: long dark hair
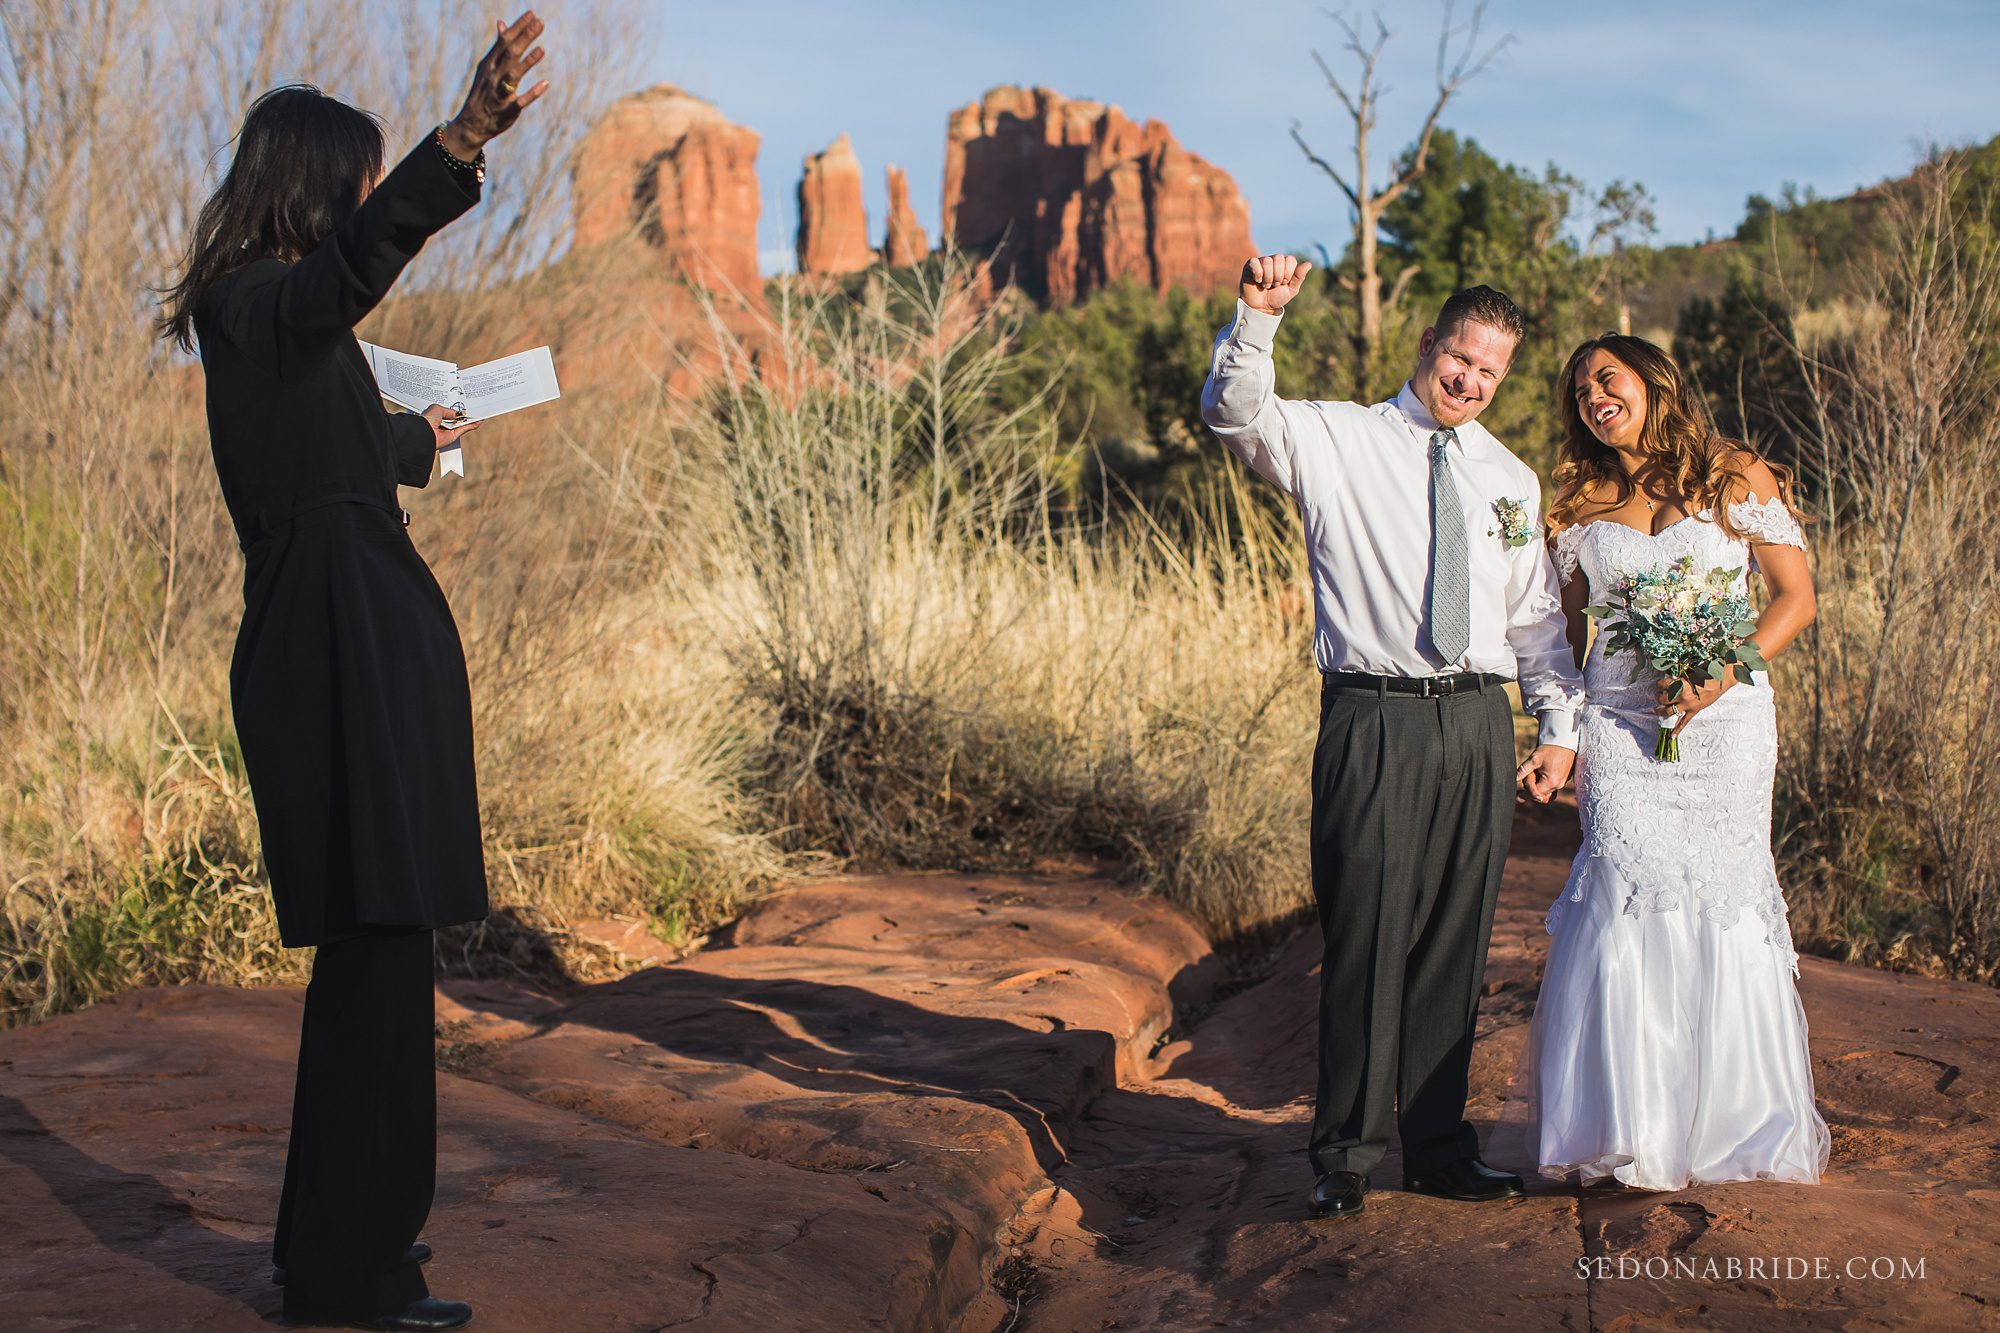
[
  {"x": 1678, "y": 433},
  {"x": 303, "y": 161}
]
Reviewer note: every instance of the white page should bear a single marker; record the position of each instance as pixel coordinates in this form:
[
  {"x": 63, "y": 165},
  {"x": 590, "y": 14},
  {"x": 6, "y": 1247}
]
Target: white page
[
  {"x": 505, "y": 385},
  {"x": 508, "y": 384},
  {"x": 415, "y": 382}
]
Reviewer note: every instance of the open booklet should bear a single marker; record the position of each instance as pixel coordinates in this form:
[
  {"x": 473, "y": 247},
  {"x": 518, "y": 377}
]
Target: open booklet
[{"x": 506, "y": 385}]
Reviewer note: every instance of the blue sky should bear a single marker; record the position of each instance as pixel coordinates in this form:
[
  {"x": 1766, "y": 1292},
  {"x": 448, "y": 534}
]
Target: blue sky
[{"x": 1704, "y": 101}]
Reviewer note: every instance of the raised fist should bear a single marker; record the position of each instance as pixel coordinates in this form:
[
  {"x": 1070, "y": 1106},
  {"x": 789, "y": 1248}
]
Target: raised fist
[{"x": 1270, "y": 281}]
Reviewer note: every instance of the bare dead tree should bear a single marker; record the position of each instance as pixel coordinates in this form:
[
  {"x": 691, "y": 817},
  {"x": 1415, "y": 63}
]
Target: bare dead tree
[
  {"x": 1460, "y": 58},
  {"x": 1624, "y": 217}
]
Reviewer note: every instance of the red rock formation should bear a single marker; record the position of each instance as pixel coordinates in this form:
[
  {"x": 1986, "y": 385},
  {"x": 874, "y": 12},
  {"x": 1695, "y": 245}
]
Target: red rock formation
[
  {"x": 1069, "y": 196},
  {"x": 833, "y": 225},
  {"x": 905, "y": 242},
  {"x": 670, "y": 166}
]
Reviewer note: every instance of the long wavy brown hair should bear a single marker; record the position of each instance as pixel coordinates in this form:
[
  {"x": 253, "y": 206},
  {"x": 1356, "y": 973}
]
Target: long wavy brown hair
[{"x": 1678, "y": 433}]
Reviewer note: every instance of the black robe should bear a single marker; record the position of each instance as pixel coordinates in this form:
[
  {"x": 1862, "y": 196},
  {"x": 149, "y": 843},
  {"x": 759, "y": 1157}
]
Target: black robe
[{"x": 348, "y": 682}]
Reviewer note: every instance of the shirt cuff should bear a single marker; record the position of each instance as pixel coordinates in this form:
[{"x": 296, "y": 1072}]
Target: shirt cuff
[
  {"x": 1254, "y": 329},
  {"x": 1558, "y": 728}
]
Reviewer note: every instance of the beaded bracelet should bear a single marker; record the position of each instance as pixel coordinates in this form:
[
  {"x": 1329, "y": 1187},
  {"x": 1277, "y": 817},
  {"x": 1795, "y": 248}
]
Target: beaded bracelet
[{"x": 476, "y": 168}]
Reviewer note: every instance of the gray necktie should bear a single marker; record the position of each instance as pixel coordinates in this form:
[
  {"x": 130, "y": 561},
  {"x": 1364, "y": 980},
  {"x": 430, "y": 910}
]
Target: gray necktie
[{"x": 1451, "y": 592}]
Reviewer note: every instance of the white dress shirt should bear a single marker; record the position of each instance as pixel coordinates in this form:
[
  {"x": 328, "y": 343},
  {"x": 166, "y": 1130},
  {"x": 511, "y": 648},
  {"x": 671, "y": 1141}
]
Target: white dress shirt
[{"x": 1361, "y": 478}]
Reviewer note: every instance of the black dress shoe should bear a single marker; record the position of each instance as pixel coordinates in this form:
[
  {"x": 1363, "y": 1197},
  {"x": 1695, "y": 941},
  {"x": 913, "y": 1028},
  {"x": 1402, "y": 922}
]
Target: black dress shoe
[
  {"x": 1467, "y": 1179},
  {"x": 428, "y": 1313},
  {"x": 420, "y": 1253},
  {"x": 1339, "y": 1194}
]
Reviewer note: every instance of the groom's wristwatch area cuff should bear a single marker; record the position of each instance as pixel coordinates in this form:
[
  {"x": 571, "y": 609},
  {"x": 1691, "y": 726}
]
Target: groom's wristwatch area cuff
[
  {"x": 1558, "y": 728},
  {"x": 1254, "y": 328}
]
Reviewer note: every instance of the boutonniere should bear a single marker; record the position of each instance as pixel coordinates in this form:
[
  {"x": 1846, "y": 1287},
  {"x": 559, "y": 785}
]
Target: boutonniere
[{"x": 1515, "y": 529}]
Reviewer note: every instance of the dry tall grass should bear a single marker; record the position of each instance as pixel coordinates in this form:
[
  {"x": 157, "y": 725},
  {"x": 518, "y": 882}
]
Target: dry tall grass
[
  {"x": 127, "y": 841},
  {"x": 826, "y": 614},
  {"x": 948, "y": 676},
  {"x": 1891, "y": 776},
  {"x": 825, "y": 617}
]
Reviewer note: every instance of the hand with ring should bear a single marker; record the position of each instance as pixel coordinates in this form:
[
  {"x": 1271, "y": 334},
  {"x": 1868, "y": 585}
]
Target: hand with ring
[
  {"x": 491, "y": 103},
  {"x": 1681, "y": 700}
]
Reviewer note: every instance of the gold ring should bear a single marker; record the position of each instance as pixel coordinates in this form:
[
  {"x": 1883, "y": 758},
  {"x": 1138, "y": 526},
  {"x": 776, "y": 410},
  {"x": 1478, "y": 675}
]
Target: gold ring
[{"x": 507, "y": 87}]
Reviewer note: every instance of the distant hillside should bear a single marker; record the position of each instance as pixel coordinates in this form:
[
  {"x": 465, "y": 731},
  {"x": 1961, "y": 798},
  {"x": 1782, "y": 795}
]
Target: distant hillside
[{"x": 1814, "y": 242}]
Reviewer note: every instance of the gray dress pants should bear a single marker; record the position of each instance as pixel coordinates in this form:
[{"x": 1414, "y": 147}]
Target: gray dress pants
[{"x": 1413, "y": 807}]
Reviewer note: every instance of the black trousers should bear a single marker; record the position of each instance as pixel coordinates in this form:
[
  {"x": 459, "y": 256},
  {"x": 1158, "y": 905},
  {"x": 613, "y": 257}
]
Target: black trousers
[
  {"x": 1413, "y": 808},
  {"x": 363, "y": 1158}
]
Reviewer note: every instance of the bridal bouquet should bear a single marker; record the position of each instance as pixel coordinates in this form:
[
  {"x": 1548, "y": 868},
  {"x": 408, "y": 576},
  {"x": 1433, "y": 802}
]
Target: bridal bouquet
[{"x": 1683, "y": 625}]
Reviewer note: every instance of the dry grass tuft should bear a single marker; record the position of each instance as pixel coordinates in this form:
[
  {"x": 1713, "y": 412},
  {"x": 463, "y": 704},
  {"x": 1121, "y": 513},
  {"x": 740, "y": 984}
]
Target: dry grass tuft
[
  {"x": 826, "y": 614},
  {"x": 1890, "y": 781}
]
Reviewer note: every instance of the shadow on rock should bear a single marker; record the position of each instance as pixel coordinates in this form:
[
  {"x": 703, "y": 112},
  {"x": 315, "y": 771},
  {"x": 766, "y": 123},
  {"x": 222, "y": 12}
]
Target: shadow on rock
[
  {"x": 130, "y": 1214},
  {"x": 708, "y": 1029}
]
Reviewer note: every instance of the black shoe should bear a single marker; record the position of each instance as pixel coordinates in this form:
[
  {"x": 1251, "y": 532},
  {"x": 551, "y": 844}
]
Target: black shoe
[
  {"x": 1467, "y": 1179},
  {"x": 428, "y": 1313},
  {"x": 1338, "y": 1194},
  {"x": 420, "y": 1253}
]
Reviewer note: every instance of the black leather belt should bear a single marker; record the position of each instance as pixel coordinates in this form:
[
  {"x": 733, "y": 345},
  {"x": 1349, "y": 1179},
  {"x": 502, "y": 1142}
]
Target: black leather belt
[{"x": 1423, "y": 687}]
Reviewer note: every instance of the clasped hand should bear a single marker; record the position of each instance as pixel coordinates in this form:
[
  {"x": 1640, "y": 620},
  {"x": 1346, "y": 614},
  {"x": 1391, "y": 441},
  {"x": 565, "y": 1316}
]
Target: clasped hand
[{"x": 1546, "y": 772}]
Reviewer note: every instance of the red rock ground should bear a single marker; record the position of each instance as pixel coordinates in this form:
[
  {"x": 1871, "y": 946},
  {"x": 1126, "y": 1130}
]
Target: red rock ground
[{"x": 932, "y": 1102}]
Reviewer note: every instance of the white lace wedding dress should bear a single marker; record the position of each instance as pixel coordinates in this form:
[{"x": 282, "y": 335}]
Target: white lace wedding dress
[{"x": 1669, "y": 1045}]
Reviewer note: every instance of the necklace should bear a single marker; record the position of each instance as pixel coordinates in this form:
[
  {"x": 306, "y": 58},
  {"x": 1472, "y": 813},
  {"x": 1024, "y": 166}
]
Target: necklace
[{"x": 1645, "y": 492}]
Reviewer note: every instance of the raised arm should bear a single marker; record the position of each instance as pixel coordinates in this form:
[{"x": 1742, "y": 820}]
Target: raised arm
[
  {"x": 283, "y": 311},
  {"x": 1240, "y": 401}
]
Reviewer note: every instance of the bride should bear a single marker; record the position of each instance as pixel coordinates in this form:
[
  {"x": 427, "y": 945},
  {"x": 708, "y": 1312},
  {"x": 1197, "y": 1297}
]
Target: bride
[{"x": 1668, "y": 1046}]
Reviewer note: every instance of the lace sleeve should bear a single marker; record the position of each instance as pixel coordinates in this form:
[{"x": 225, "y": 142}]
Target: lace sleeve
[
  {"x": 1768, "y": 522},
  {"x": 1567, "y": 543}
]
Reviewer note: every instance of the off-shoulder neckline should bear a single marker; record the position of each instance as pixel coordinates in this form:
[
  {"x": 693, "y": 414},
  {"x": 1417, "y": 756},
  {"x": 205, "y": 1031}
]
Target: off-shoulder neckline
[
  {"x": 1699, "y": 516},
  {"x": 1706, "y": 515}
]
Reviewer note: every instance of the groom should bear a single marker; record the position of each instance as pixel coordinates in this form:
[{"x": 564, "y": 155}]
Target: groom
[{"x": 1431, "y": 589}]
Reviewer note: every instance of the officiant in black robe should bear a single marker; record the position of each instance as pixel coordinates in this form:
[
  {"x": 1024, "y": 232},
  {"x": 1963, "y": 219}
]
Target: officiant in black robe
[{"x": 348, "y": 683}]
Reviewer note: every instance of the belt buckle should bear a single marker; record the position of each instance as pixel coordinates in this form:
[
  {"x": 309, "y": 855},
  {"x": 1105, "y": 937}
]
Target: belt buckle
[{"x": 1428, "y": 687}]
